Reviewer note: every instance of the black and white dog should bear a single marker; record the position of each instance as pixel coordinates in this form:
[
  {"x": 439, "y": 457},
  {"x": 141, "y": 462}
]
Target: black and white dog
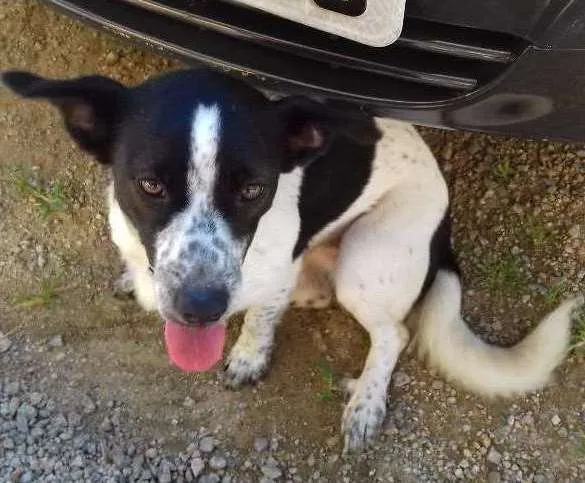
[{"x": 222, "y": 201}]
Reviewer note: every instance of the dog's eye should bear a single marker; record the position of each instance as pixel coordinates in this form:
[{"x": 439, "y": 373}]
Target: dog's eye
[
  {"x": 252, "y": 192},
  {"x": 152, "y": 187}
]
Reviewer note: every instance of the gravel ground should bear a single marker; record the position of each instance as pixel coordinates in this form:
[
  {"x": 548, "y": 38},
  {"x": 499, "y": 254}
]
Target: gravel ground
[{"x": 86, "y": 392}]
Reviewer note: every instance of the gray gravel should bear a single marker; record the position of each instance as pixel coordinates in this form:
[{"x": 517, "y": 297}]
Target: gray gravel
[{"x": 40, "y": 441}]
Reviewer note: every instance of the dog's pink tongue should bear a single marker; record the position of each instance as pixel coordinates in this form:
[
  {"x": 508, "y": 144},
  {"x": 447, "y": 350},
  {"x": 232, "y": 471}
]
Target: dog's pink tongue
[{"x": 194, "y": 349}]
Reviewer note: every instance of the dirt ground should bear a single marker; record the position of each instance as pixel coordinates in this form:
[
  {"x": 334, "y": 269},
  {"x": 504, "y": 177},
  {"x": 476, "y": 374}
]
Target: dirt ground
[{"x": 519, "y": 215}]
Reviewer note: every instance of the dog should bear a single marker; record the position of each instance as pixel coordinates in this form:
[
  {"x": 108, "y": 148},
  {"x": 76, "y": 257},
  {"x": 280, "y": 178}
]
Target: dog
[{"x": 223, "y": 201}]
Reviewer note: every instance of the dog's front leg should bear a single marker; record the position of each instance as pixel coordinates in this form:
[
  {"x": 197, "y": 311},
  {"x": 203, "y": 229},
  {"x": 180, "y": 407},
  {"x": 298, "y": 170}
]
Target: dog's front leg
[{"x": 250, "y": 356}]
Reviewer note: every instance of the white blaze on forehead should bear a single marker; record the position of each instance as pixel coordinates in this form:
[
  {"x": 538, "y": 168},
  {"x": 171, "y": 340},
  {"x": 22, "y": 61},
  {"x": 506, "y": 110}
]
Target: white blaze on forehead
[{"x": 204, "y": 146}]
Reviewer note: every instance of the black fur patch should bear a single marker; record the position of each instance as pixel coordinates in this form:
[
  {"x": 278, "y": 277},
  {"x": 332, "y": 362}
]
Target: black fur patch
[
  {"x": 330, "y": 185},
  {"x": 442, "y": 256}
]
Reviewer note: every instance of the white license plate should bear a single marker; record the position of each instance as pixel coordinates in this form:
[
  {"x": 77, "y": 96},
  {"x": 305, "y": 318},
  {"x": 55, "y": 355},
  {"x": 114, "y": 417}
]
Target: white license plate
[{"x": 379, "y": 25}]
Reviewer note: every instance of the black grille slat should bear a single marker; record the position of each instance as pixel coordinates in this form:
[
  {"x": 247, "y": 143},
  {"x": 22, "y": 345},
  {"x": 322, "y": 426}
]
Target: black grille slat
[
  {"x": 394, "y": 62},
  {"x": 429, "y": 63},
  {"x": 460, "y": 42},
  {"x": 413, "y": 58}
]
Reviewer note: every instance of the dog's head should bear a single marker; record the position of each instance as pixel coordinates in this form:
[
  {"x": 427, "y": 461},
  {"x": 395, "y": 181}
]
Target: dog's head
[{"x": 196, "y": 158}]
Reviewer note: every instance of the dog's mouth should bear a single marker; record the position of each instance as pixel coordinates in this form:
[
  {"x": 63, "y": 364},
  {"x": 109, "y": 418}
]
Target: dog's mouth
[{"x": 194, "y": 349}]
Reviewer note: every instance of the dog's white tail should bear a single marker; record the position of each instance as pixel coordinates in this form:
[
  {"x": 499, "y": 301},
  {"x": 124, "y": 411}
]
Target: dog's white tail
[{"x": 449, "y": 346}]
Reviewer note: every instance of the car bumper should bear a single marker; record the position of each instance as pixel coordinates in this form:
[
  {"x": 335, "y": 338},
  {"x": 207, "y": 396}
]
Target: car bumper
[{"x": 436, "y": 74}]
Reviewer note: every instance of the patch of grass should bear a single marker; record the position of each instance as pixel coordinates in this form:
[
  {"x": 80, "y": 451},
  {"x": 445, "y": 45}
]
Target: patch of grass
[
  {"x": 503, "y": 275},
  {"x": 49, "y": 199},
  {"x": 581, "y": 444},
  {"x": 553, "y": 294},
  {"x": 329, "y": 381},
  {"x": 43, "y": 298},
  {"x": 536, "y": 230},
  {"x": 503, "y": 171},
  {"x": 578, "y": 340}
]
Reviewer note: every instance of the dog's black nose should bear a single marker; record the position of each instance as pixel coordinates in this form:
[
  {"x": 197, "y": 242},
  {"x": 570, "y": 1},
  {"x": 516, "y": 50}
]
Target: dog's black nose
[{"x": 200, "y": 306}]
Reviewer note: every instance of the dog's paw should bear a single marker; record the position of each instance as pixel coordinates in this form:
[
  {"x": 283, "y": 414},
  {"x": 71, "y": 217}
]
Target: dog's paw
[
  {"x": 124, "y": 285},
  {"x": 245, "y": 366},
  {"x": 362, "y": 419}
]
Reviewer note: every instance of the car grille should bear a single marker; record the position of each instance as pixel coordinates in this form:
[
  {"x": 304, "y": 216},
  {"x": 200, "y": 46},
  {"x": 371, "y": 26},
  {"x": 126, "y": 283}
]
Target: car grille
[{"x": 430, "y": 63}]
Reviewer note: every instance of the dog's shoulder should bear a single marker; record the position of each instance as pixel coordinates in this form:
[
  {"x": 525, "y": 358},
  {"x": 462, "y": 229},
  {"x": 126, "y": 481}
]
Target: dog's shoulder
[{"x": 352, "y": 177}]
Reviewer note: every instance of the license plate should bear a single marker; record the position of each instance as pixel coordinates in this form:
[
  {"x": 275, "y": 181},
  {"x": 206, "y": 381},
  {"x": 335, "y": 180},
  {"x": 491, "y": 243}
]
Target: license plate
[{"x": 377, "y": 23}]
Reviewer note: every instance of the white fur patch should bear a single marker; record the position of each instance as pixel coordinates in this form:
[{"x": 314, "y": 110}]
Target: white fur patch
[
  {"x": 132, "y": 252},
  {"x": 205, "y": 132}
]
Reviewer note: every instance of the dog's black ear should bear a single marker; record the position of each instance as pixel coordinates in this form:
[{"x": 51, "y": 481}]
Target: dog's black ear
[
  {"x": 310, "y": 127},
  {"x": 90, "y": 106}
]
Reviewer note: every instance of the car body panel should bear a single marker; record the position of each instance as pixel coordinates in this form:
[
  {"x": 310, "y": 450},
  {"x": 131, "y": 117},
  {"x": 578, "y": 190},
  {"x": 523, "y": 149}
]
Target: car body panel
[{"x": 488, "y": 65}]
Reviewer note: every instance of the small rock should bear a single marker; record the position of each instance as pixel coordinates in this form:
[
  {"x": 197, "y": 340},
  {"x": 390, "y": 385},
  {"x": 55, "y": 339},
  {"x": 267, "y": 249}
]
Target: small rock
[
  {"x": 55, "y": 341},
  {"x": 36, "y": 398},
  {"x": 197, "y": 466},
  {"x": 575, "y": 231},
  {"x": 273, "y": 444},
  {"x": 146, "y": 475},
  {"x": 8, "y": 443},
  {"x": 26, "y": 412},
  {"x": 119, "y": 458},
  {"x": 12, "y": 388},
  {"x": 150, "y": 453},
  {"x": 458, "y": 473},
  {"x": 494, "y": 456},
  {"x": 164, "y": 473},
  {"x": 493, "y": 477},
  {"x": 112, "y": 57},
  {"x": 5, "y": 343},
  {"x": 207, "y": 444},
  {"x": 74, "y": 419},
  {"x": 137, "y": 463},
  {"x": 332, "y": 441},
  {"x": 217, "y": 462},
  {"x": 555, "y": 420},
  {"x": 271, "y": 472},
  {"x": 209, "y": 478},
  {"x": 106, "y": 425},
  {"x": 437, "y": 384},
  {"x": 26, "y": 477},
  {"x": 401, "y": 379},
  {"x": 260, "y": 444},
  {"x": 447, "y": 151},
  {"x": 88, "y": 405}
]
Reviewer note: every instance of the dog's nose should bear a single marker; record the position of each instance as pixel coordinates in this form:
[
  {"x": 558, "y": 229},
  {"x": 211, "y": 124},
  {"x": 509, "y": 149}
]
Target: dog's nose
[{"x": 200, "y": 306}]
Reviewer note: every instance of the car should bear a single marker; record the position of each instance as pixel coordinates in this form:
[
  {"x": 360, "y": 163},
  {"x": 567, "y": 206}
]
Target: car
[{"x": 499, "y": 66}]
